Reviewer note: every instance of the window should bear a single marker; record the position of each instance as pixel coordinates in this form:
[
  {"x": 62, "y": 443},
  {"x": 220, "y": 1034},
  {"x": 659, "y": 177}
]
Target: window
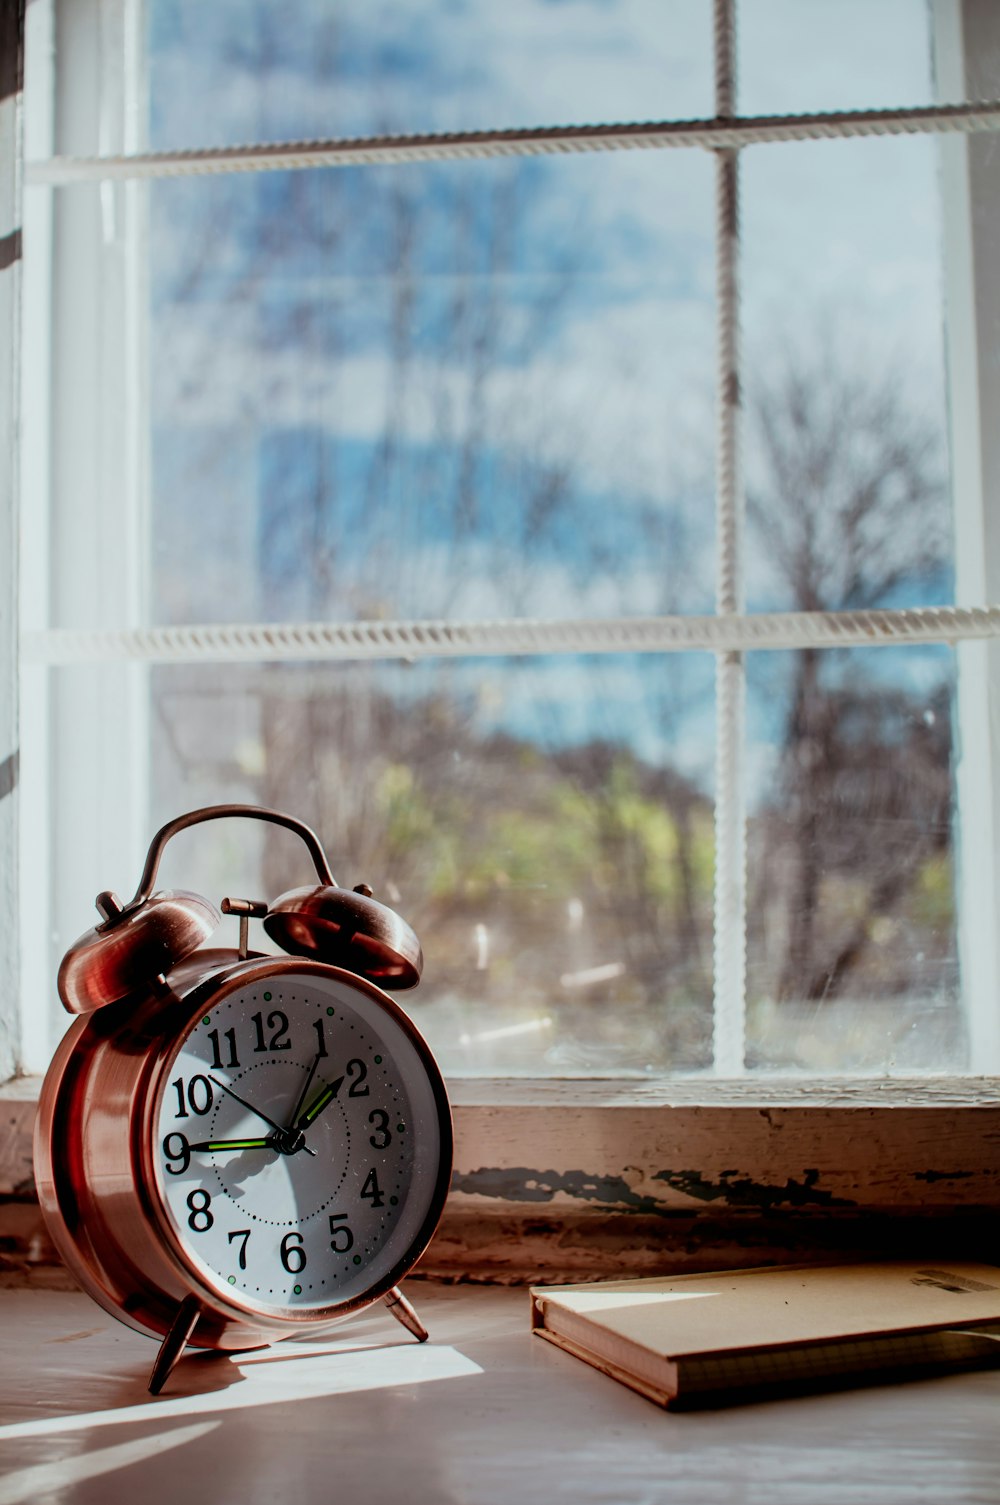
[
  {"x": 271, "y": 398},
  {"x": 386, "y": 491}
]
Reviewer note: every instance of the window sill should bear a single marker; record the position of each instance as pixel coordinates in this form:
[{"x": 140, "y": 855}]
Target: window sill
[
  {"x": 570, "y": 1179},
  {"x": 484, "y": 1412}
]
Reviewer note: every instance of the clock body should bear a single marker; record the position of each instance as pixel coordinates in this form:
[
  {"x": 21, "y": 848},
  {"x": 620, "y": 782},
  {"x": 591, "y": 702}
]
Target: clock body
[{"x": 268, "y": 1137}]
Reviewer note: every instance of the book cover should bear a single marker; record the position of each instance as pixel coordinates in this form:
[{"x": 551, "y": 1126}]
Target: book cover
[{"x": 712, "y": 1339}]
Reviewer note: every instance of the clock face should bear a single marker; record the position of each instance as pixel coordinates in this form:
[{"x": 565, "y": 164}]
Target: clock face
[{"x": 299, "y": 1143}]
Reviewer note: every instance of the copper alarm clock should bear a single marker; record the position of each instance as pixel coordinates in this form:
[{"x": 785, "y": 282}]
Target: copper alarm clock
[{"x": 234, "y": 1148}]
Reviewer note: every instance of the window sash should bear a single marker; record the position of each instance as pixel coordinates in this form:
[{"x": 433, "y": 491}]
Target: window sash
[{"x": 728, "y": 634}]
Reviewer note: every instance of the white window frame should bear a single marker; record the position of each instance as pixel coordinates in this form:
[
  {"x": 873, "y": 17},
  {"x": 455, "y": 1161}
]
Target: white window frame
[{"x": 618, "y": 1132}]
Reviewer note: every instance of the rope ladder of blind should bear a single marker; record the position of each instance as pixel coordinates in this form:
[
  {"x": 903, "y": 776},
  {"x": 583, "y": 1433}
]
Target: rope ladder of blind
[{"x": 731, "y": 134}]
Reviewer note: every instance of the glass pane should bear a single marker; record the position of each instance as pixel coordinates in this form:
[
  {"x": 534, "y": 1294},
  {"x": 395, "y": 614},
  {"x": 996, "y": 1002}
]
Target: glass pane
[
  {"x": 846, "y": 418},
  {"x": 533, "y": 820},
  {"x": 291, "y": 70},
  {"x": 852, "y": 951},
  {"x": 469, "y": 390},
  {"x": 806, "y": 56}
]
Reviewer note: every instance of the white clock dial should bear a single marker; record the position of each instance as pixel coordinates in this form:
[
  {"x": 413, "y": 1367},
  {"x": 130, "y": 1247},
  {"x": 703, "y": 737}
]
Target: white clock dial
[{"x": 298, "y": 1142}]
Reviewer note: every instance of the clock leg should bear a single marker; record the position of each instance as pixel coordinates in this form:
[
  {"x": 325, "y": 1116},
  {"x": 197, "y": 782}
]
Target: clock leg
[
  {"x": 172, "y": 1346},
  {"x": 404, "y": 1313}
]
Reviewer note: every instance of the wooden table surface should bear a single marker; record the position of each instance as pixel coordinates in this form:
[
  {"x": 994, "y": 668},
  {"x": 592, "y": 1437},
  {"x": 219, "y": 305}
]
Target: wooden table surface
[{"x": 483, "y": 1414}]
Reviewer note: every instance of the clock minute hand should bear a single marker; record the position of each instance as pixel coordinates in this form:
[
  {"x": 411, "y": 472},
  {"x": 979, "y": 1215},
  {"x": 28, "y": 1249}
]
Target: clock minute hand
[
  {"x": 246, "y": 1105},
  {"x": 317, "y": 1105},
  {"x": 293, "y": 1122}
]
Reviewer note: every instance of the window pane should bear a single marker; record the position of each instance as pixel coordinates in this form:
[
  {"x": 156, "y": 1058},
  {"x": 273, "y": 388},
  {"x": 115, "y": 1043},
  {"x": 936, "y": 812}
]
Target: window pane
[
  {"x": 852, "y": 951},
  {"x": 847, "y": 465},
  {"x": 234, "y": 71},
  {"x": 544, "y": 825},
  {"x": 815, "y": 55},
  {"x": 467, "y": 390}
]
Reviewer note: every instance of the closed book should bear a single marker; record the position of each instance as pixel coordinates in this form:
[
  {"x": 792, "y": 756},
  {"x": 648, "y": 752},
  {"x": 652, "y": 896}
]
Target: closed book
[{"x": 696, "y": 1340}]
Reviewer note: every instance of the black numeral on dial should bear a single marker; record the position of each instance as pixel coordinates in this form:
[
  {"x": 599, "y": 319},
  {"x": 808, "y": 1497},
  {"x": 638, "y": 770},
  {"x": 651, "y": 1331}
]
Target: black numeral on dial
[
  {"x": 198, "y": 1203},
  {"x": 357, "y": 1071},
  {"x": 244, "y": 1234},
  {"x": 230, "y": 1039},
  {"x": 276, "y": 1021},
  {"x": 381, "y": 1139},
  {"x": 343, "y": 1238},
  {"x": 371, "y": 1189},
  {"x": 199, "y": 1095},
  {"x": 177, "y": 1150},
  {"x": 293, "y": 1256}
]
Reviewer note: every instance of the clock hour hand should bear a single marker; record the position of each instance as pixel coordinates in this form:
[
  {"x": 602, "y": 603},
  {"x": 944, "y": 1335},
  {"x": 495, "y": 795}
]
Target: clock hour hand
[
  {"x": 318, "y": 1103},
  {"x": 280, "y": 1134}
]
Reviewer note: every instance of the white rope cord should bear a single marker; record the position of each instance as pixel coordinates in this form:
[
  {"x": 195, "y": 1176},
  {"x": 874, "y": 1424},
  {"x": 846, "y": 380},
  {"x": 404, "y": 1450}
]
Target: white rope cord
[
  {"x": 729, "y": 904},
  {"x": 541, "y": 141},
  {"x": 311, "y": 642}
]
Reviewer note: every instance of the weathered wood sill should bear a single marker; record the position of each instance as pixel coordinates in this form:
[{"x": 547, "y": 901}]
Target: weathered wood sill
[{"x": 578, "y": 1179}]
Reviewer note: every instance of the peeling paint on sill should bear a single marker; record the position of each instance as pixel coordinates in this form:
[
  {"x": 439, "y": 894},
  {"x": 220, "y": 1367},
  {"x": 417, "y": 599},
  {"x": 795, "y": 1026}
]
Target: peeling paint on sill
[
  {"x": 742, "y": 1191},
  {"x": 522, "y": 1185}
]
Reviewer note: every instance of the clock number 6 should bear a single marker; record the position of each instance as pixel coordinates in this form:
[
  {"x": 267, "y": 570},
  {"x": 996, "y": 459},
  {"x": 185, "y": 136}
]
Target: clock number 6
[
  {"x": 293, "y": 1256},
  {"x": 199, "y": 1209}
]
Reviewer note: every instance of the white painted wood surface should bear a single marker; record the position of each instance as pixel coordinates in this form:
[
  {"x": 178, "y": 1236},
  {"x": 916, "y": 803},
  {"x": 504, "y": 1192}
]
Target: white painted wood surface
[
  {"x": 11, "y": 17},
  {"x": 483, "y": 1414}
]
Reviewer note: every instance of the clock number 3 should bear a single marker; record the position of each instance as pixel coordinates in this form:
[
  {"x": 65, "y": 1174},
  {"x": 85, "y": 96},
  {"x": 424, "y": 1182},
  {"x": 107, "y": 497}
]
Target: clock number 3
[{"x": 381, "y": 1139}]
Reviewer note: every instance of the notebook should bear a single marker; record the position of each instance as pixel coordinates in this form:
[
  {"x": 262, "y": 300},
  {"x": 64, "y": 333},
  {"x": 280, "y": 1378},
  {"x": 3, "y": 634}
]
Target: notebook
[{"x": 739, "y": 1335}]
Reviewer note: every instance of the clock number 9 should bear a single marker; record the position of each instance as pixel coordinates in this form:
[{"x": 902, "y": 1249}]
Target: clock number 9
[
  {"x": 183, "y": 1154},
  {"x": 293, "y": 1256},
  {"x": 343, "y": 1234}
]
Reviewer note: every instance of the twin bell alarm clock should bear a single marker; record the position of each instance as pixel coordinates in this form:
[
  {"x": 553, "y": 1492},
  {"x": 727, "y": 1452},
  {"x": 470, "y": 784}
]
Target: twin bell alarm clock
[{"x": 233, "y": 1148}]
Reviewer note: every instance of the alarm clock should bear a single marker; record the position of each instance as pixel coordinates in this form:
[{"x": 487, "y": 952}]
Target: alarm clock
[{"x": 233, "y": 1148}]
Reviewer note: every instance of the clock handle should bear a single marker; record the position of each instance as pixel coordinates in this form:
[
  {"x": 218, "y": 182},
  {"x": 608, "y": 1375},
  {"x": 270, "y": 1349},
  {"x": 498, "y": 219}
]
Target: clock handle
[{"x": 221, "y": 812}]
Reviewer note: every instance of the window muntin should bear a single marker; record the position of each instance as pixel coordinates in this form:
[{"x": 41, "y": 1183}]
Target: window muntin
[{"x": 692, "y": 759}]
